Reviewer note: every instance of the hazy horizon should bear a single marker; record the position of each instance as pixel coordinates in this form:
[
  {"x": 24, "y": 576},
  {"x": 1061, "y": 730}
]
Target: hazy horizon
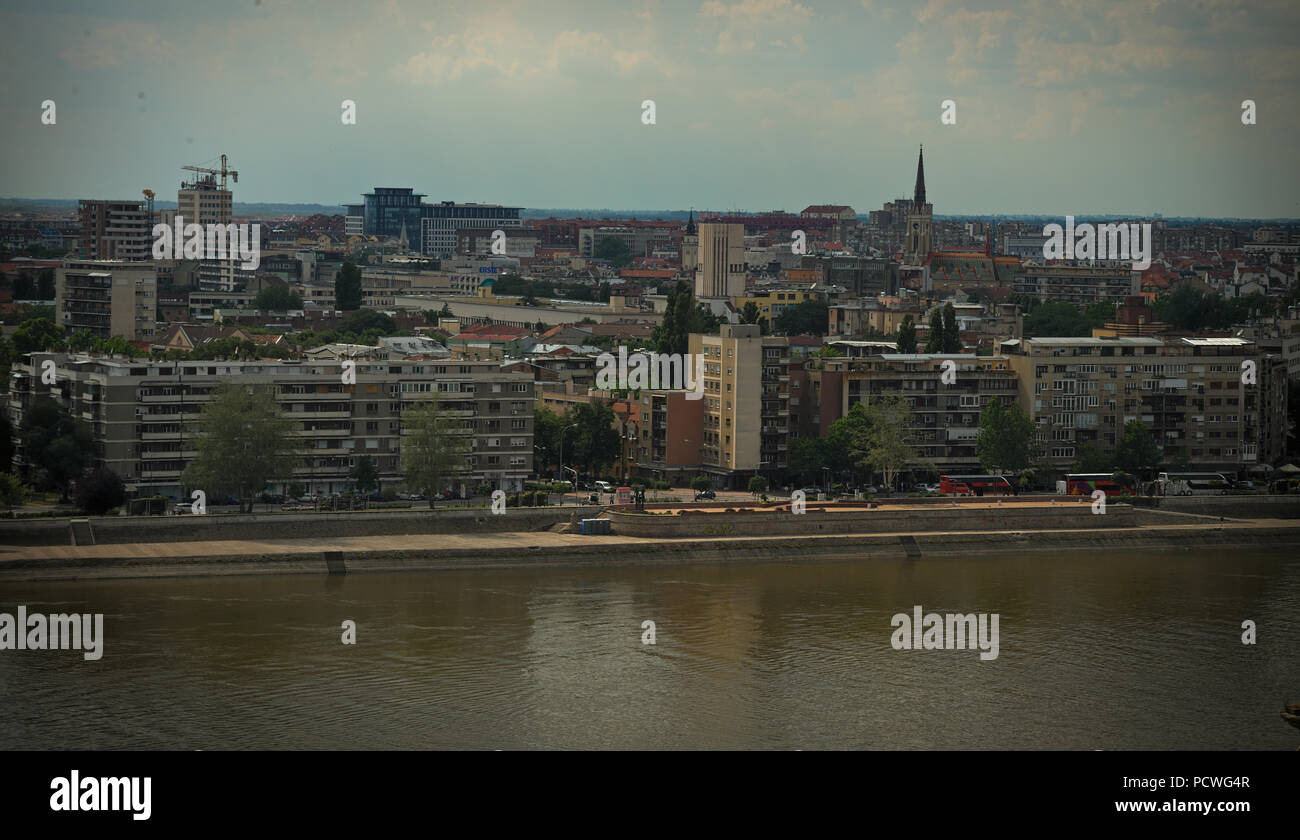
[{"x": 1068, "y": 109}]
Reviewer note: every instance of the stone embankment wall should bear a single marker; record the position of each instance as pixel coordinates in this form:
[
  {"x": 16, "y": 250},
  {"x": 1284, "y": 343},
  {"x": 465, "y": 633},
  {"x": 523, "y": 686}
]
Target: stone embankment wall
[
  {"x": 927, "y": 519},
  {"x": 115, "y": 530}
]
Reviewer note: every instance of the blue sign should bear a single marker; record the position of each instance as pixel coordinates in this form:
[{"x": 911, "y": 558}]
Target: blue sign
[{"x": 488, "y": 269}]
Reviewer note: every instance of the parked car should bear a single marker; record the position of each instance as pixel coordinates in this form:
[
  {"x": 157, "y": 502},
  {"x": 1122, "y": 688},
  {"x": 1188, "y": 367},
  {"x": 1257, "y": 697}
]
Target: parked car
[
  {"x": 871, "y": 488},
  {"x": 812, "y": 492},
  {"x": 705, "y": 495},
  {"x": 604, "y": 487},
  {"x": 183, "y": 507}
]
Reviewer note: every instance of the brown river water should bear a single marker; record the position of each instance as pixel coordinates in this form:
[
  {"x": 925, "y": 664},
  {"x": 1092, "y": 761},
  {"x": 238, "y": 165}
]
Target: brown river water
[{"x": 1097, "y": 650}]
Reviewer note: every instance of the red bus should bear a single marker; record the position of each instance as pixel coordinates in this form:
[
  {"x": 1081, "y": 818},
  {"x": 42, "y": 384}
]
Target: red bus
[
  {"x": 975, "y": 485},
  {"x": 1083, "y": 484}
]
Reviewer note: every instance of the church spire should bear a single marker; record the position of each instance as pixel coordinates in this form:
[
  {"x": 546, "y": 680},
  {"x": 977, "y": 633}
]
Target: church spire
[
  {"x": 918, "y": 199},
  {"x": 690, "y": 223}
]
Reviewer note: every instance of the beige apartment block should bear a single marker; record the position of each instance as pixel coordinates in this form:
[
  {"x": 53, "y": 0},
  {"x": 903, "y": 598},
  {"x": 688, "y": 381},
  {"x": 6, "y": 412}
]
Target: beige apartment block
[
  {"x": 107, "y": 298},
  {"x": 1191, "y": 393},
  {"x": 144, "y": 414}
]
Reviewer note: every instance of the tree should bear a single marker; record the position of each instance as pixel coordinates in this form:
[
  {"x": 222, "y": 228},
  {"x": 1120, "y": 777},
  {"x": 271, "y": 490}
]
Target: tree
[
  {"x": 758, "y": 485},
  {"x": 547, "y": 428},
  {"x": 681, "y": 318},
  {"x": 907, "y": 335},
  {"x": 750, "y": 314},
  {"x": 847, "y": 445},
  {"x": 934, "y": 338},
  {"x": 6, "y": 443},
  {"x": 1137, "y": 451},
  {"x": 58, "y": 445},
  {"x": 436, "y": 448},
  {"x": 37, "y": 335},
  {"x": 1007, "y": 439},
  {"x": 539, "y": 327},
  {"x": 364, "y": 475},
  {"x": 1091, "y": 458},
  {"x": 11, "y": 490},
  {"x": 347, "y": 287},
  {"x": 100, "y": 492},
  {"x": 446, "y": 312},
  {"x": 807, "y": 456},
  {"x": 245, "y": 444},
  {"x": 277, "y": 298},
  {"x": 701, "y": 482},
  {"x": 888, "y": 441},
  {"x": 45, "y": 284},
  {"x": 951, "y": 335},
  {"x": 595, "y": 440},
  {"x": 614, "y": 249},
  {"x": 808, "y": 317}
]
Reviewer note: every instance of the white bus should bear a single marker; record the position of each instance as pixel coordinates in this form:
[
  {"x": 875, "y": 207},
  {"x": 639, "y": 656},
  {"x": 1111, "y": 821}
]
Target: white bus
[{"x": 1193, "y": 484}]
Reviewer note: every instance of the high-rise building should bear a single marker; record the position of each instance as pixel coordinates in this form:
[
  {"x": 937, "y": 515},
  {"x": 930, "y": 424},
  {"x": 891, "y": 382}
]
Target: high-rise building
[
  {"x": 388, "y": 208},
  {"x": 108, "y": 298},
  {"x": 113, "y": 230},
  {"x": 721, "y": 272},
  {"x": 354, "y": 220},
  {"x": 739, "y": 428},
  {"x": 438, "y": 223},
  {"x": 202, "y": 202},
  {"x": 919, "y": 241}
]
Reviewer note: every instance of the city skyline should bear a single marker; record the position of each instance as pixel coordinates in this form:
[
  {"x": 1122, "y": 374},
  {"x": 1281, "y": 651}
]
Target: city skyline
[{"x": 759, "y": 104}]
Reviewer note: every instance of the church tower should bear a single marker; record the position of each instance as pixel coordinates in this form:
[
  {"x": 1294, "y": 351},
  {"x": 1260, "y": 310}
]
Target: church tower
[
  {"x": 690, "y": 247},
  {"x": 919, "y": 240}
]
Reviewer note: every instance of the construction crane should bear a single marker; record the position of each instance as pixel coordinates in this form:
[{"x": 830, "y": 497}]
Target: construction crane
[{"x": 223, "y": 171}]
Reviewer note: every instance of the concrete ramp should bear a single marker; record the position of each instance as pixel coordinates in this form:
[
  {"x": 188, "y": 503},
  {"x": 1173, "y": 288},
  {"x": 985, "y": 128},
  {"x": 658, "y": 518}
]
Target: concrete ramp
[{"x": 81, "y": 532}]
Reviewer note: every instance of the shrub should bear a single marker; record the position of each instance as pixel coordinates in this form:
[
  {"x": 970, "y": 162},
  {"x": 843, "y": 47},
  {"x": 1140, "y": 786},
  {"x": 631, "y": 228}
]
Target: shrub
[{"x": 100, "y": 492}]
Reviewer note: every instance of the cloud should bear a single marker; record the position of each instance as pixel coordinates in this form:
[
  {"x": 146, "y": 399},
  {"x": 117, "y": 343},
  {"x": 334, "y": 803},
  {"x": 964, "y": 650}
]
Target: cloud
[
  {"x": 117, "y": 44},
  {"x": 748, "y": 23}
]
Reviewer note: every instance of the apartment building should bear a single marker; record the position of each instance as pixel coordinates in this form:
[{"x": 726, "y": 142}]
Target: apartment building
[
  {"x": 107, "y": 298},
  {"x": 772, "y": 302},
  {"x": 944, "y": 418},
  {"x": 1188, "y": 391},
  {"x": 738, "y": 428},
  {"x": 859, "y": 276},
  {"x": 144, "y": 414},
  {"x": 1079, "y": 283},
  {"x": 113, "y": 230},
  {"x": 204, "y": 305}
]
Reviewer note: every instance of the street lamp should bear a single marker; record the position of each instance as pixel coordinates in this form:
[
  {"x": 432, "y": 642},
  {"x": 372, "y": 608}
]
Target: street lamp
[{"x": 562, "y": 432}]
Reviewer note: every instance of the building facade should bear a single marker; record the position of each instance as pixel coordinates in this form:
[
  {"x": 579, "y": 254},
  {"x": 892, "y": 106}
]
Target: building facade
[
  {"x": 721, "y": 272},
  {"x": 144, "y": 414},
  {"x": 107, "y": 298},
  {"x": 113, "y": 230},
  {"x": 439, "y": 223},
  {"x": 1191, "y": 393}
]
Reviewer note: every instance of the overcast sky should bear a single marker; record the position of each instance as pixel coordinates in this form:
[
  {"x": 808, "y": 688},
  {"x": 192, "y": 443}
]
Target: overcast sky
[{"x": 1083, "y": 106}]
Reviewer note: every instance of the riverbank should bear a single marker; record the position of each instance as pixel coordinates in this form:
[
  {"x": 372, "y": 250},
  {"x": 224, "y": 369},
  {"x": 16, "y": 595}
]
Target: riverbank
[{"x": 504, "y": 550}]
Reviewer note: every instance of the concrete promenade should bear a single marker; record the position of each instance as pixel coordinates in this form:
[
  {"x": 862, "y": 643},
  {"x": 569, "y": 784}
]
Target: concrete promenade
[{"x": 410, "y": 552}]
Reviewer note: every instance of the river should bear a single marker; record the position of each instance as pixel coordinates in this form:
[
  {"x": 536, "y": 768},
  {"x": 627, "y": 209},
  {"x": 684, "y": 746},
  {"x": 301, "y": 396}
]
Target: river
[{"x": 1097, "y": 650}]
